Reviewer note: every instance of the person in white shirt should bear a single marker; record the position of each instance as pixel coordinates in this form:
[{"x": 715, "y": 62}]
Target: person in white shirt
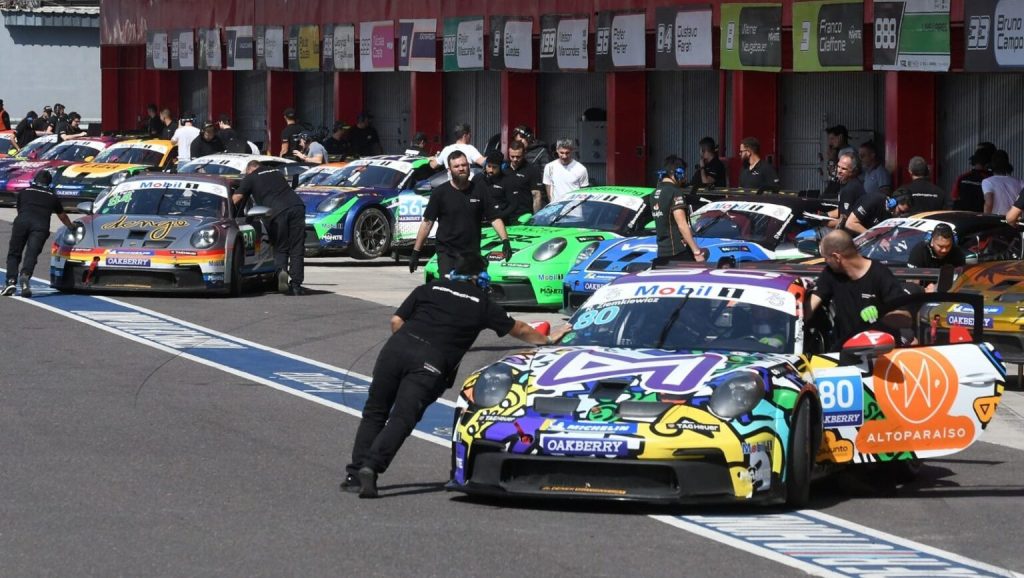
[
  {"x": 183, "y": 137},
  {"x": 1000, "y": 189},
  {"x": 463, "y": 134},
  {"x": 565, "y": 174}
]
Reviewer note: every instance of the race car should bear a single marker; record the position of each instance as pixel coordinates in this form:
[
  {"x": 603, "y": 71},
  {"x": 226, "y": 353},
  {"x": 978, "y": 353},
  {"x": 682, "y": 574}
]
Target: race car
[
  {"x": 321, "y": 174},
  {"x": 350, "y": 212},
  {"x": 166, "y": 233},
  {"x": 30, "y": 152},
  {"x": 231, "y": 165},
  {"x": 8, "y": 143},
  {"x": 85, "y": 182},
  {"x": 546, "y": 246},
  {"x": 692, "y": 385},
  {"x": 738, "y": 228},
  {"x": 18, "y": 175}
]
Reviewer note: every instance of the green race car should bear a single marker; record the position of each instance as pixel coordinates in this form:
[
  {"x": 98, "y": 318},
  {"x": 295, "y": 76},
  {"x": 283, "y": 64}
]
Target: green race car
[{"x": 546, "y": 246}]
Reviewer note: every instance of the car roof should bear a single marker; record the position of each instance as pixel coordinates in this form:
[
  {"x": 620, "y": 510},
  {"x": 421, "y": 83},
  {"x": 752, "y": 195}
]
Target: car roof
[
  {"x": 964, "y": 222},
  {"x": 616, "y": 190}
]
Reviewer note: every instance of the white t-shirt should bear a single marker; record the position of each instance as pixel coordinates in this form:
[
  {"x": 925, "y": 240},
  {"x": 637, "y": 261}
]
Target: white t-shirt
[
  {"x": 1003, "y": 189},
  {"x": 565, "y": 179},
  {"x": 469, "y": 150},
  {"x": 183, "y": 137}
]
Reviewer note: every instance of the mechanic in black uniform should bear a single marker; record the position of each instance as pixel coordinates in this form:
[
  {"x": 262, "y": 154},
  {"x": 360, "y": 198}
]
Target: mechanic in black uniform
[
  {"x": 710, "y": 170},
  {"x": 36, "y": 204},
  {"x": 757, "y": 173},
  {"x": 523, "y": 181},
  {"x": 287, "y": 227},
  {"x": 290, "y": 134},
  {"x": 940, "y": 250},
  {"x": 208, "y": 143},
  {"x": 459, "y": 206},
  {"x": 431, "y": 332},
  {"x": 857, "y": 287},
  {"x": 870, "y": 210},
  {"x": 494, "y": 184},
  {"x": 851, "y": 188},
  {"x": 537, "y": 152},
  {"x": 153, "y": 125},
  {"x": 672, "y": 217}
]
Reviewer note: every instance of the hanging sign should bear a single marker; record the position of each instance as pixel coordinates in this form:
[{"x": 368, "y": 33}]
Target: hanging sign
[
  {"x": 751, "y": 37},
  {"x": 619, "y": 41},
  {"x": 683, "y": 38},
  {"x": 912, "y": 35}
]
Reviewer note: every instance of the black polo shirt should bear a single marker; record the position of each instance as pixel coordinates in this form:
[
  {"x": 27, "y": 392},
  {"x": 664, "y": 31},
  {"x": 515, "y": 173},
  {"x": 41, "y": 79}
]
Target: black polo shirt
[
  {"x": 849, "y": 194},
  {"x": 36, "y": 205},
  {"x": 760, "y": 176},
  {"x": 458, "y": 215},
  {"x": 666, "y": 199},
  {"x": 269, "y": 188},
  {"x": 922, "y": 256},
  {"x": 870, "y": 210},
  {"x": 519, "y": 186},
  {"x": 849, "y": 297},
  {"x": 714, "y": 168},
  {"x": 365, "y": 140},
  {"x": 290, "y": 135},
  {"x": 928, "y": 197}
]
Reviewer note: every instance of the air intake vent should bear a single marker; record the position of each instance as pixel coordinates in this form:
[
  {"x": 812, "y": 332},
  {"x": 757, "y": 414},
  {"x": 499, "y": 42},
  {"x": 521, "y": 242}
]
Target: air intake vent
[
  {"x": 642, "y": 409},
  {"x": 556, "y": 405}
]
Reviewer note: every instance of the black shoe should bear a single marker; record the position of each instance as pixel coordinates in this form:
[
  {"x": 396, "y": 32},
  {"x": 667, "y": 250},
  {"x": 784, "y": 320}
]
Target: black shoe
[
  {"x": 282, "y": 282},
  {"x": 9, "y": 289},
  {"x": 26, "y": 288},
  {"x": 296, "y": 290},
  {"x": 367, "y": 483},
  {"x": 351, "y": 484}
]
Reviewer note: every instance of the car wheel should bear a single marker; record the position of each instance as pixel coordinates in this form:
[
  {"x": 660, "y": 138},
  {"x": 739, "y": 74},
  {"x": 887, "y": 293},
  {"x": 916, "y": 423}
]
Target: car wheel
[
  {"x": 371, "y": 234},
  {"x": 799, "y": 459},
  {"x": 235, "y": 276}
]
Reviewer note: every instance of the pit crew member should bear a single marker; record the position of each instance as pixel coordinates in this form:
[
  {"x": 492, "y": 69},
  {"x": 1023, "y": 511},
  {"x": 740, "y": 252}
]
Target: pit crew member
[
  {"x": 36, "y": 204},
  {"x": 672, "y": 217}
]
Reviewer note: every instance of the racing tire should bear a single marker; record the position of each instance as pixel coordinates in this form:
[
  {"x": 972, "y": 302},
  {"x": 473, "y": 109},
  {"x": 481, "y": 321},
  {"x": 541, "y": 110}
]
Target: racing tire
[
  {"x": 237, "y": 283},
  {"x": 371, "y": 234},
  {"x": 799, "y": 459}
]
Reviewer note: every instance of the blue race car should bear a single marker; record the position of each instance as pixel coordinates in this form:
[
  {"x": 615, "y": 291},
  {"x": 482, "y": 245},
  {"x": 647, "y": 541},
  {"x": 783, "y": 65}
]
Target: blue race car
[{"x": 750, "y": 229}]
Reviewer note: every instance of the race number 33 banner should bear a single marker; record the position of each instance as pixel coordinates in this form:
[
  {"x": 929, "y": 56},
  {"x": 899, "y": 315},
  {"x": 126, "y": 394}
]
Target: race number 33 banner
[
  {"x": 828, "y": 35},
  {"x": 619, "y": 41},
  {"x": 683, "y": 38},
  {"x": 511, "y": 43},
  {"x": 417, "y": 45},
  {"x": 995, "y": 35},
  {"x": 563, "y": 43},
  {"x": 751, "y": 37},
  {"x": 463, "y": 45},
  {"x": 912, "y": 35},
  {"x": 377, "y": 46}
]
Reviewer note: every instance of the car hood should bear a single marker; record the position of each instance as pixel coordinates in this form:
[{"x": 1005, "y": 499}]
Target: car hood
[
  {"x": 96, "y": 170},
  {"x": 525, "y": 239},
  {"x": 142, "y": 230},
  {"x": 312, "y": 196}
]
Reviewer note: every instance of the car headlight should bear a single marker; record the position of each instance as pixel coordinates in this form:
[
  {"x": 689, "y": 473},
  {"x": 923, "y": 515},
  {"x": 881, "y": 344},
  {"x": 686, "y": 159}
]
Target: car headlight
[
  {"x": 330, "y": 204},
  {"x": 74, "y": 234},
  {"x": 492, "y": 385},
  {"x": 118, "y": 178},
  {"x": 586, "y": 253},
  {"x": 550, "y": 249},
  {"x": 737, "y": 395},
  {"x": 204, "y": 238}
]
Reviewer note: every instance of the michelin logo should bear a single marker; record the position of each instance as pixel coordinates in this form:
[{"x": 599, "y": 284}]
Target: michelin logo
[{"x": 593, "y": 427}]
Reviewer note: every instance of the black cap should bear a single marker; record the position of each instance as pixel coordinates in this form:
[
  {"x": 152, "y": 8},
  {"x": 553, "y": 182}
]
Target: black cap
[
  {"x": 43, "y": 178},
  {"x": 419, "y": 137},
  {"x": 838, "y": 129},
  {"x": 47, "y": 108},
  {"x": 494, "y": 158},
  {"x": 289, "y": 113}
]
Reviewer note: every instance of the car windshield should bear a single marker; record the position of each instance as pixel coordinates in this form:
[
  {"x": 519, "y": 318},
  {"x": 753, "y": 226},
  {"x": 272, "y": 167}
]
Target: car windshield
[
  {"x": 36, "y": 148},
  {"x": 209, "y": 167},
  {"x": 737, "y": 224},
  {"x": 587, "y": 211},
  {"x": 6, "y": 143},
  {"x": 890, "y": 244},
  {"x": 329, "y": 176},
  {"x": 370, "y": 176},
  {"x": 683, "y": 320},
  {"x": 70, "y": 151},
  {"x": 163, "y": 201},
  {"x": 135, "y": 155}
]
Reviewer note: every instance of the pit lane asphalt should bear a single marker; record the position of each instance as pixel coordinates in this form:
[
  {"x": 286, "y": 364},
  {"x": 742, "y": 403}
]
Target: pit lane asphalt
[{"x": 122, "y": 459}]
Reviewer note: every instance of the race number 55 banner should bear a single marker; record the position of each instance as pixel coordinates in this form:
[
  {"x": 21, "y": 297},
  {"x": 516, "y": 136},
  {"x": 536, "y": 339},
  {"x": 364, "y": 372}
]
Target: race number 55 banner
[
  {"x": 751, "y": 37},
  {"x": 683, "y": 38},
  {"x": 339, "y": 51},
  {"x": 912, "y": 35},
  {"x": 828, "y": 35},
  {"x": 563, "y": 43},
  {"x": 995, "y": 35},
  {"x": 417, "y": 45},
  {"x": 463, "y": 45},
  {"x": 377, "y": 46},
  {"x": 619, "y": 41},
  {"x": 511, "y": 43}
]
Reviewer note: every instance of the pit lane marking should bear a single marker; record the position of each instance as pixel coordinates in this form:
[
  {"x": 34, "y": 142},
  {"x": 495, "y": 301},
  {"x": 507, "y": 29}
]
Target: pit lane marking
[{"x": 810, "y": 541}]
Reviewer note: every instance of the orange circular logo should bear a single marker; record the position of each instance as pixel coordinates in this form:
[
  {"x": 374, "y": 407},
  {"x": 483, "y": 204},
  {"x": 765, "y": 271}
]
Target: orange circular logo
[{"x": 917, "y": 384}]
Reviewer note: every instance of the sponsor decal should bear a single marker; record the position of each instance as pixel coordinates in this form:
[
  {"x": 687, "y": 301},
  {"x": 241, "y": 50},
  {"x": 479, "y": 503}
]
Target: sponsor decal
[
  {"x": 968, "y": 320},
  {"x": 841, "y": 393},
  {"x": 517, "y": 265},
  {"x": 592, "y": 427},
  {"x": 676, "y": 374},
  {"x": 550, "y": 290},
  {"x": 965, "y": 309},
  {"x": 589, "y": 286},
  {"x": 734, "y": 249},
  {"x": 751, "y": 449},
  {"x": 158, "y": 229},
  {"x": 571, "y": 446},
  {"x": 133, "y": 252},
  {"x": 835, "y": 449},
  {"x": 495, "y": 418},
  {"x": 333, "y": 237},
  {"x": 185, "y": 253},
  {"x": 128, "y": 261},
  {"x": 584, "y": 490},
  {"x": 589, "y": 238},
  {"x": 495, "y": 256},
  {"x": 550, "y": 277},
  {"x": 687, "y": 424}
]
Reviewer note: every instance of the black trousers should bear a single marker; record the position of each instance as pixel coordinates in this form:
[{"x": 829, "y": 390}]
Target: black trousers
[
  {"x": 409, "y": 376},
  {"x": 288, "y": 235},
  {"x": 682, "y": 257},
  {"x": 445, "y": 263},
  {"x": 28, "y": 238}
]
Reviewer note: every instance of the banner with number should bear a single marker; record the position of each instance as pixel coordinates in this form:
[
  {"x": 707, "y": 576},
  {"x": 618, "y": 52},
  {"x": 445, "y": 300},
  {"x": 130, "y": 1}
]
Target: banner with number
[
  {"x": 270, "y": 48},
  {"x": 463, "y": 43},
  {"x": 183, "y": 50},
  {"x": 912, "y": 35},
  {"x": 304, "y": 47},
  {"x": 563, "y": 43},
  {"x": 995, "y": 35},
  {"x": 210, "y": 57},
  {"x": 511, "y": 43},
  {"x": 240, "y": 51},
  {"x": 751, "y": 37},
  {"x": 156, "y": 50},
  {"x": 339, "y": 51},
  {"x": 619, "y": 41},
  {"x": 828, "y": 35},
  {"x": 683, "y": 38},
  {"x": 417, "y": 45},
  {"x": 377, "y": 46}
]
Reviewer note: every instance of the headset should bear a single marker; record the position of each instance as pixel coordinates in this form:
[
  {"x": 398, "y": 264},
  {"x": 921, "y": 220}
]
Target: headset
[
  {"x": 942, "y": 226},
  {"x": 680, "y": 173},
  {"x": 482, "y": 280}
]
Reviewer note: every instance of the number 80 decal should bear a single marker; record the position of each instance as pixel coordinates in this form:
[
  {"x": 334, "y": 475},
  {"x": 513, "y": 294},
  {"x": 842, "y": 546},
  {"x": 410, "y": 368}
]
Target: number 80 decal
[
  {"x": 841, "y": 392},
  {"x": 596, "y": 317}
]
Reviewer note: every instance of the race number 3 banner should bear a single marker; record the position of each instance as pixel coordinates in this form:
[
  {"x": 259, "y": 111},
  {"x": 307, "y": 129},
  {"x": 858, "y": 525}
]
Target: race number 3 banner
[
  {"x": 377, "y": 46},
  {"x": 995, "y": 35},
  {"x": 912, "y": 35},
  {"x": 828, "y": 35},
  {"x": 156, "y": 50},
  {"x": 463, "y": 45},
  {"x": 270, "y": 47},
  {"x": 563, "y": 43},
  {"x": 619, "y": 41},
  {"x": 304, "y": 47},
  {"x": 511, "y": 43},
  {"x": 751, "y": 37},
  {"x": 417, "y": 45},
  {"x": 183, "y": 50},
  {"x": 239, "y": 43},
  {"x": 339, "y": 52},
  {"x": 683, "y": 38}
]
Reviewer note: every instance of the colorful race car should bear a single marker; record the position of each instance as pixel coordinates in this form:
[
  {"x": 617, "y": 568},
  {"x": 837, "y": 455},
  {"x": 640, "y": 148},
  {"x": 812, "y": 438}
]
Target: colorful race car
[
  {"x": 698, "y": 385},
  {"x": 8, "y": 143},
  {"x": 30, "y": 152},
  {"x": 85, "y": 182},
  {"x": 321, "y": 174},
  {"x": 350, "y": 212},
  {"x": 18, "y": 175},
  {"x": 168, "y": 233},
  {"x": 758, "y": 228},
  {"x": 546, "y": 246}
]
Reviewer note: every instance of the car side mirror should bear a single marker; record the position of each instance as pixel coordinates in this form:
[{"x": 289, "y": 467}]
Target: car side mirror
[
  {"x": 650, "y": 226},
  {"x": 257, "y": 211},
  {"x": 809, "y": 246},
  {"x": 869, "y": 344},
  {"x": 89, "y": 158},
  {"x": 85, "y": 207},
  {"x": 524, "y": 219},
  {"x": 971, "y": 259}
]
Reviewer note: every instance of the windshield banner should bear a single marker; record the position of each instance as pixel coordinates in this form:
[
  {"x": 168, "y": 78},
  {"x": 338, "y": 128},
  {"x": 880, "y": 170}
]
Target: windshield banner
[{"x": 828, "y": 35}]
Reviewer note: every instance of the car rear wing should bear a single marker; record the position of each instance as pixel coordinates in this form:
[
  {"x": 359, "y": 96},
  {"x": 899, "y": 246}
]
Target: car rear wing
[{"x": 721, "y": 192}]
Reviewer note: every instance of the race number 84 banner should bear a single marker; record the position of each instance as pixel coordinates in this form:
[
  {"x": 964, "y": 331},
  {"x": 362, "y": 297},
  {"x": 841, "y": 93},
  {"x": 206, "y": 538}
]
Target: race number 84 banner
[
  {"x": 912, "y": 35},
  {"x": 828, "y": 35},
  {"x": 752, "y": 37}
]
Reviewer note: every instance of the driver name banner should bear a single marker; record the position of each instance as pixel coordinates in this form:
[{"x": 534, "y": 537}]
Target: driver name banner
[
  {"x": 156, "y": 50},
  {"x": 377, "y": 46},
  {"x": 751, "y": 37},
  {"x": 828, "y": 35},
  {"x": 463, "y": 46},
  {"x": 304, "y": 48},
  {"x": 210, "y": 56},
  {"x": 683, "y": 37},
  {"x": 240, "y": 48},
  {"x": 270, "y": 47},
  {"x": 339, "y": 49},
  {"x": 417, "y": 45},
  {"x": 183, "y": 50},
  {"x": 994, "y": 35},
  {"x": 912, "y": 35},
  {"x": 563, "y": 43},
  {"x": 619, "y": 41},
  {"x": 511, "y": 43}
]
